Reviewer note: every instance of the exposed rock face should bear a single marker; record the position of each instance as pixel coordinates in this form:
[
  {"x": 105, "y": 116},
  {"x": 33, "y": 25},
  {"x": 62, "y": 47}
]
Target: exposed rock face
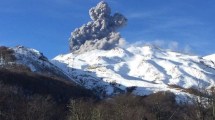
[{"x": 100, "y": 33}]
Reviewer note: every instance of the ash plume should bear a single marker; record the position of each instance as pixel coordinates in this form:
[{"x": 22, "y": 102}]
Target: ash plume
[{"x": 100, "y": 33}]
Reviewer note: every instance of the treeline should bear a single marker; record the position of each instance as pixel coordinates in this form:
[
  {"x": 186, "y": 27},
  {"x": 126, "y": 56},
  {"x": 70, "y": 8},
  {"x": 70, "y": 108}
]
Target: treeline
[
  {"x": 158, "y": 106},
  {"x": 15, "y": 104}
]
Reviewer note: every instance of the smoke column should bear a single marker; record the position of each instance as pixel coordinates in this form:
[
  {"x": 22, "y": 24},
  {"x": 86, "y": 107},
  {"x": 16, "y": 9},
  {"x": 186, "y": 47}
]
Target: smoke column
[{"x": 100, "y": 33}]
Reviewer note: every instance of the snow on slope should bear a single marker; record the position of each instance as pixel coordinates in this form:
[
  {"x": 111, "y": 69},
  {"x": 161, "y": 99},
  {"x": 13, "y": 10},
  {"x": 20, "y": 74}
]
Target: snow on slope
[
  {"x": 36, "y": 62},
  {"x": 148, "y": 69},
  {"x": 210, "y": 58}
]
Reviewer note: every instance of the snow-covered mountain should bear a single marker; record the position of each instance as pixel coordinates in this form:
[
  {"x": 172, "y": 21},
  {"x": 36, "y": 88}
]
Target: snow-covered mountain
[
  {"x": 210, "y": 58},
  {"x": 98, "y": 63},
  {"x": 143, "y": 70},
  {"x": 140, "y": 70},
  {"x": 30, "y": 59}
]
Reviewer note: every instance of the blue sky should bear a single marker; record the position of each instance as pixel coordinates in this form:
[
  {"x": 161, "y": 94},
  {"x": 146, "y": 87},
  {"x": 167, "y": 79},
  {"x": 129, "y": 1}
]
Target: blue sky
[{"x": 46, "y": 25}]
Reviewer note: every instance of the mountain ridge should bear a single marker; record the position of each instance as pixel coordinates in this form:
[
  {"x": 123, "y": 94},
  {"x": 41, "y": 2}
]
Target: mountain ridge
[
  {"x": 144, "y": 70},
  {"x": 31, "y": 59},
  {"x": 147, "y": 69}
]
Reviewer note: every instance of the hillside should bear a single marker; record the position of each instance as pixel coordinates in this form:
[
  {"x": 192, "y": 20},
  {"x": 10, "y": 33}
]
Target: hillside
[
  {"x": 28, "y": 96},
  {"x": 29, "y": 60},
  {"x": 32, "y": 83},
  {"x": 210, "y": 58},
  {"x": 33, "y": 88},
  {"x": 146, "y": 69},
  {"x": 30, "y": 70}
]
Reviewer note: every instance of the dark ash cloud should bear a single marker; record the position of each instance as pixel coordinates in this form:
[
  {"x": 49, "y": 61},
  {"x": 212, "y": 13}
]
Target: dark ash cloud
[{"x": 100, "y": 33}]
